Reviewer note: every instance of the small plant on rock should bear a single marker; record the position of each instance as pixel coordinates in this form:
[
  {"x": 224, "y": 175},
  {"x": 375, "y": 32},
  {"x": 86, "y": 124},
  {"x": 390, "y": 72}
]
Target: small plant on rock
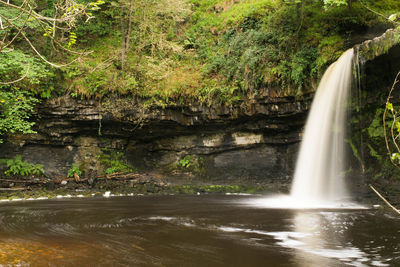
[
  {"x": 74, "y": 171},
  {"x": 192, "y": 163},
  {"x": 186, "y": 162}
]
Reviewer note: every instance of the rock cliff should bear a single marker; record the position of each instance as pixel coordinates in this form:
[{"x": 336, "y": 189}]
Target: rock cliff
[
  {"x": 250, "y": 141},
  {"x": 254, "y": 140}
]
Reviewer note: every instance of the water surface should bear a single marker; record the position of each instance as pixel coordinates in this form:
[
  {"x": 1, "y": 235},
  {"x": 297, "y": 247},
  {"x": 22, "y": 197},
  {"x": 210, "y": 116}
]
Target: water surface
[{"x": 200, "y": 230}]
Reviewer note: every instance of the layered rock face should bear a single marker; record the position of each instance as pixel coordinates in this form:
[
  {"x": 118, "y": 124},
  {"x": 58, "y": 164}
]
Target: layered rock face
[
  {"x": 255, "y": 140},
  {"x": 378, "y": 46}
]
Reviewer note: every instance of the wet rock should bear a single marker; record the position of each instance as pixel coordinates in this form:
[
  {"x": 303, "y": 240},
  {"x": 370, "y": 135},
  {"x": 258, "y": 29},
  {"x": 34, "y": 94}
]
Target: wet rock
[
  {"x": 50, "y": 185},
  {"x": 91, "y": 180}
]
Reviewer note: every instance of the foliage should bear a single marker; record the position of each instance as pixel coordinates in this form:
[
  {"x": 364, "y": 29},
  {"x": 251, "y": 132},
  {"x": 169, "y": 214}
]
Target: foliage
[
  {"x": 74, "y": 170},
  {"x": 213, "y": 50},
  {"x": 375, "y": 129},
  {"x": 16, "y": 107},
  {"x": 54, "y": 21},
  {"x": 34, "y": 35},
  {"x": 37, "y": 77},
  {"x": 335, "y": 2},
  {"x": 354, "y": 149},
  {"x": 18, "y": 99},
  {"x": 113, "y": 162},
  {"x": 271, "y": 43},
  {"x": 19, "y": 167}
]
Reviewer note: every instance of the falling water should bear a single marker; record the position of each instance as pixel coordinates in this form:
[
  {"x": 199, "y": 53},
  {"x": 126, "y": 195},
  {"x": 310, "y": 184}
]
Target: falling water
[{"x": 320, "y": 166}]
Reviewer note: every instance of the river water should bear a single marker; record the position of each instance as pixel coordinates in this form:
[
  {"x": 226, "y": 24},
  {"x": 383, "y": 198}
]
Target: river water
[{"x": 204, "y": 230}]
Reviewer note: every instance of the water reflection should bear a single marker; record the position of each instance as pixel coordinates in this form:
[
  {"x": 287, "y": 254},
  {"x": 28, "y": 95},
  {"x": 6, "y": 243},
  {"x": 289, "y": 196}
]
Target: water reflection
[
  {"x": 19, "y": 252},
  {"x": 192, "y": 231},
  {"x": 320, "y": 239}
]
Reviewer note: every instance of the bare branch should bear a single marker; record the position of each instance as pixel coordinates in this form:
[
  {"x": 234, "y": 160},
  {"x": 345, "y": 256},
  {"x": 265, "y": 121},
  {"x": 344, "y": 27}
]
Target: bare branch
[
  {"x": 21, "y": 13},
  {"x": 58, "y": 43},
  {"x": 101, "y": 64},
  {"x": 45, "y": 60},
  {"x": 19, "y": 31},
  {"x": 377, "y": 13},
  {"x": 384, "y": 121},
  {"x": 392, "y": 131},
  {"x": 62, "y": 19},
  {"x": 384, "y": 199}
]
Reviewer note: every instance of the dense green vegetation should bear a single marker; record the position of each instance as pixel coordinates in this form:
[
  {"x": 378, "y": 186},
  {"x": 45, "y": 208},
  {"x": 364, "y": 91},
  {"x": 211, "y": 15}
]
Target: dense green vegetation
[
  {"x": 36, "y": 37},
  {"x": 171, "y": 51},
  {"x": 219, "y": 49}
]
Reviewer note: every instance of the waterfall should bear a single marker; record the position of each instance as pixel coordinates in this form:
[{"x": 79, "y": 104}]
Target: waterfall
[
  {"x": 319, "y": 170},
  {"x": 319, "y": 175}
]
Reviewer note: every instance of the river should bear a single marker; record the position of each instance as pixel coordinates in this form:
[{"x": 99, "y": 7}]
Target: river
[{"x": 203, "y": 230}]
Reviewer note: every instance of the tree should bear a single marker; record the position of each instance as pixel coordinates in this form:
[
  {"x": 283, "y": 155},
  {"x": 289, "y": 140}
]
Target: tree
[
  {"x": 25, "y": 27},
  {"x": 126, "y": 28},
  {"x": 144, "y": 24},
  {"x": 16, "y": 20}
]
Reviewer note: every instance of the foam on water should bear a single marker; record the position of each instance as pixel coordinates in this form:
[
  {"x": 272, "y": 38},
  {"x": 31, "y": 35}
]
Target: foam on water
[{"x": 290, "y": 202}]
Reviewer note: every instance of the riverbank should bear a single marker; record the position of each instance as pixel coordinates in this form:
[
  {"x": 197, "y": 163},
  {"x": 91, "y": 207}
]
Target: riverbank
[
  {"x": 156, "y": 183},
  {"x": 141, "y": 184},
  {"x": 123, "y": 185}
]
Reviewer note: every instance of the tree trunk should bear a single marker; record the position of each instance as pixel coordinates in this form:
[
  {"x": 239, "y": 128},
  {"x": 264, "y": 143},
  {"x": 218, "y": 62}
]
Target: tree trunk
[
  {"x": 128, "y": 33},
  {"x": 123, "y": 37}
]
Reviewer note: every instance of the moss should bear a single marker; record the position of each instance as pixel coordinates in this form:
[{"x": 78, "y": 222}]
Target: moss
[{"x": 379, "y": 46}]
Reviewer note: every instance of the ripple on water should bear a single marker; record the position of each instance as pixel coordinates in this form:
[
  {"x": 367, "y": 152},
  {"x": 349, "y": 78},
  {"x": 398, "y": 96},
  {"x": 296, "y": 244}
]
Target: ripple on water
[{"x": 352, "y": 256}]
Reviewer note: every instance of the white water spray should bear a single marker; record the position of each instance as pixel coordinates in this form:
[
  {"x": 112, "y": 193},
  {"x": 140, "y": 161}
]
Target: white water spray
[
  {"x": 320, "y": 165},
  {"x": 319, "y": 176}
]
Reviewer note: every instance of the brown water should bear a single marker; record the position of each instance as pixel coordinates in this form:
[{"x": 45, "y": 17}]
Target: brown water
[{"x": 192, "y": 231}]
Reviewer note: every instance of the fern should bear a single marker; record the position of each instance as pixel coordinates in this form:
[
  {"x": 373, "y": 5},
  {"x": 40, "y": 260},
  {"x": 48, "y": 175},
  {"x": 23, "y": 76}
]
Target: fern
[{"x": 19, "y": 167}]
